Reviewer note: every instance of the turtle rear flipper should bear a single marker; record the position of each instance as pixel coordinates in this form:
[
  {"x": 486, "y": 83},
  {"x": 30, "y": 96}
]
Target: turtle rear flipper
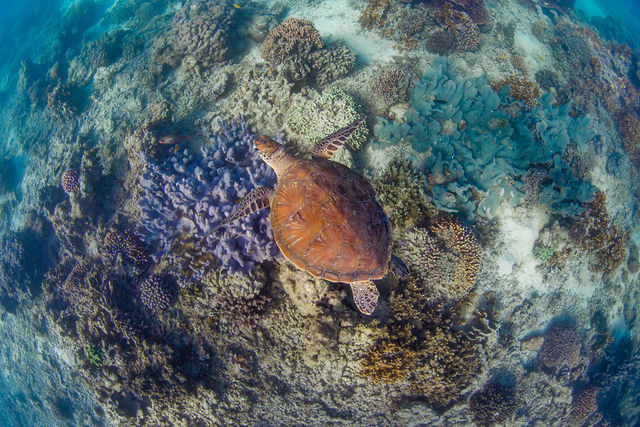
[
  {"x": 327, "y": 146},
  {"x": 365, "y": 295},
  {"x": 257, "y": 199},
  {"x": 398, "y": 268}
]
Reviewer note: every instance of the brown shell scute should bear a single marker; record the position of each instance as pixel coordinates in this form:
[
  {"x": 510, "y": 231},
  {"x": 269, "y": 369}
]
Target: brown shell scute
[{"x": 326, "y": 220}]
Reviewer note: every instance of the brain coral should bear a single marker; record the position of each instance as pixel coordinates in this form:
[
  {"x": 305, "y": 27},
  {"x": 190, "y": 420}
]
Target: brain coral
[
  {"x": 561, "y": 347},
  {"x": 187, "y": 194},
  {"x": 201, "y": 29}
]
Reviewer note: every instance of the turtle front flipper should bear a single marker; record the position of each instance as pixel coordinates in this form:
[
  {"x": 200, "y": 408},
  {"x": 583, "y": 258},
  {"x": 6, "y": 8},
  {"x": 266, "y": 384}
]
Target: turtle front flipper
[
  {"x": 327, "y": 146},
  {"x": 258, "y": 198},
  {"x": 365, "y": 295},
  {"x": 398, "y": 268}
]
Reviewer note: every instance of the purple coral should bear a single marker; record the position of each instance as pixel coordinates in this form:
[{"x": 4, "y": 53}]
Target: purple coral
[{"x": 186, "y": 195}]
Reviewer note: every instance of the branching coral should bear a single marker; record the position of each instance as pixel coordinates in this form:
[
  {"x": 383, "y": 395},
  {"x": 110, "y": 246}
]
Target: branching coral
[
  {"x": 461, "y": 26},
  {"x": 583, "y": 406},
  {"x": 401, "y": 193},
  {"x": 445, "y": 260},
  {"x": 296, "y": 48},
  {"x": 127, "y": 243},
  {"x": 520, "y": 88},
  {"x": 202, "y": 29},
  {"x": 70, "y": 181},
  {"x": 392, "y": 85},
  {"x": 493, "y": 404},
  {"x": 373, "y": 14},
  {"x": 156, "y": 293},
  {"x": 437, "y": 361},
  {"x": 629, "y": 125},
  {"x": 595, "y": 233}
]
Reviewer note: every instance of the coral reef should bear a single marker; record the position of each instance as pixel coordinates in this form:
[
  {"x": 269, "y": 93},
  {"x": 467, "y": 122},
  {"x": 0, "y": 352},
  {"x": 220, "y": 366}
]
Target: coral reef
[
  {"x": 561, "y": 347},
  {"x": 441, "y": 43},
  {"x": 520, "y": 88},
  {"x": 187, "y": 194},
  {"x": 629, "y": 125},
  {"x": 583, "y": 406},
  {"x": 322, "y": 116},
  {"x": 372, "y": 16},
  {"x": 495, "y": 403},
  {"x": 465, "y": 31},
  {"x": 445, "y": 259},
  {"x": 296, "y": 49},
  {"x": 202, "y": 29},
  {"x": 594, "y": 232},
  {"x": 400, "y": 192},
  {"x": 70, "y": 182},
  {"x": 392, "y": 85},
  {"x": 481, "y": 142},
  {"x": 127, "y": 243},
  {"x": 94, "y": 354},
  {"x": 155, "y": 293}
]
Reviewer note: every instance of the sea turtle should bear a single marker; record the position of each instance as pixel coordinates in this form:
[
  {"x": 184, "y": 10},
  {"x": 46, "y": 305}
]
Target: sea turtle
[{"x": 325, "y": 217}]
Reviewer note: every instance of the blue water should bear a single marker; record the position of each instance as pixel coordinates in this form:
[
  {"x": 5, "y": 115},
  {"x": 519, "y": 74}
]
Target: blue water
[{"x": 36, "y": 380}]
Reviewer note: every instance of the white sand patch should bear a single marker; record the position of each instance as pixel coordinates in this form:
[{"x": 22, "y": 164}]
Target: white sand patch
[
  {"x": 337, "y": 20},
  {"x": 519, "y": 234},
  {"x": 537, "y": 55}
]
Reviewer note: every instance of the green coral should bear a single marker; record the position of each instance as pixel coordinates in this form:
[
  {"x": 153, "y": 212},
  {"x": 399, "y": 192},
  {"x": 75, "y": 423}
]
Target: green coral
[
  {"x": 400, "y": 192},
  {"x": 543, "y": 253},
  {"x": 94, "y": 354},
  {"x": 327, "y": 113}
]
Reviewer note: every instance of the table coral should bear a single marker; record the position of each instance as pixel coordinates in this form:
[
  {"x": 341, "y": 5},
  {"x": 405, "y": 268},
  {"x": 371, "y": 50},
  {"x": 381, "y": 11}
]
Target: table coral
[
  {"x": 202, "y": 29},
  {"x": 184, "y": 196}
]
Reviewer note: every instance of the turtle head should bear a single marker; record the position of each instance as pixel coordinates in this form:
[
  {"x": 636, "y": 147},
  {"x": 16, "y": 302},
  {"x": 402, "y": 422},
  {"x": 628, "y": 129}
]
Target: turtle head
[{"x": 270, "y": 151}]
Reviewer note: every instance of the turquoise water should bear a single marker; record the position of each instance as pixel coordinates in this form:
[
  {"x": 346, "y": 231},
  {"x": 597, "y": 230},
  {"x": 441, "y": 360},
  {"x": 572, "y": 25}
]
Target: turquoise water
[{"x": 127, "y": 139}]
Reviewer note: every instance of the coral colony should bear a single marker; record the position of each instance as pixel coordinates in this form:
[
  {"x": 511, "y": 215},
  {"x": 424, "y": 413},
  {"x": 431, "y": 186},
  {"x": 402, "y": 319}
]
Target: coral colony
[{"x": 502, "y": 140}]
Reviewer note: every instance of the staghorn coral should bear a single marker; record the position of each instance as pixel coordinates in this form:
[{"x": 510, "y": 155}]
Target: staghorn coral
[
  {"x": 583, "y": 406},
  {"x": 475, "y": 10},
  {"x": 185, "y": 196},
  {"x": 520, "y": 88},
  {"x": 594, "y": 232},
  {"x": 400, "y": 192},
  {"x": 445, "y": 259},
  {"x": 295, "y": 48},
  {"x": 392, "y": 85},
  {"x": 373, "y": 15},
  {"x": 391, "y": 357},
  {"x": 156, "y": 293},
  {"x": 495, "y": 403},
  {"x": 561, "y": 347},
  {"x": 202, "y": 29}
]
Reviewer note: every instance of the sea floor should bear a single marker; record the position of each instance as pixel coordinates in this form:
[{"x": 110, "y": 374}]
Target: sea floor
[{"x": 126, "y": 134}]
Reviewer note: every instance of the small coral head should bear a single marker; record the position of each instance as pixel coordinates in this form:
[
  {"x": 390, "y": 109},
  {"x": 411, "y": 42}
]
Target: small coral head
[{"x": 267, "y": 148}]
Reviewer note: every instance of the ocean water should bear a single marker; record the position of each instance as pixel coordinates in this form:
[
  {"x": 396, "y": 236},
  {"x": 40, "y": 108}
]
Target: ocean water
[{"x": 460, "y": 245}]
